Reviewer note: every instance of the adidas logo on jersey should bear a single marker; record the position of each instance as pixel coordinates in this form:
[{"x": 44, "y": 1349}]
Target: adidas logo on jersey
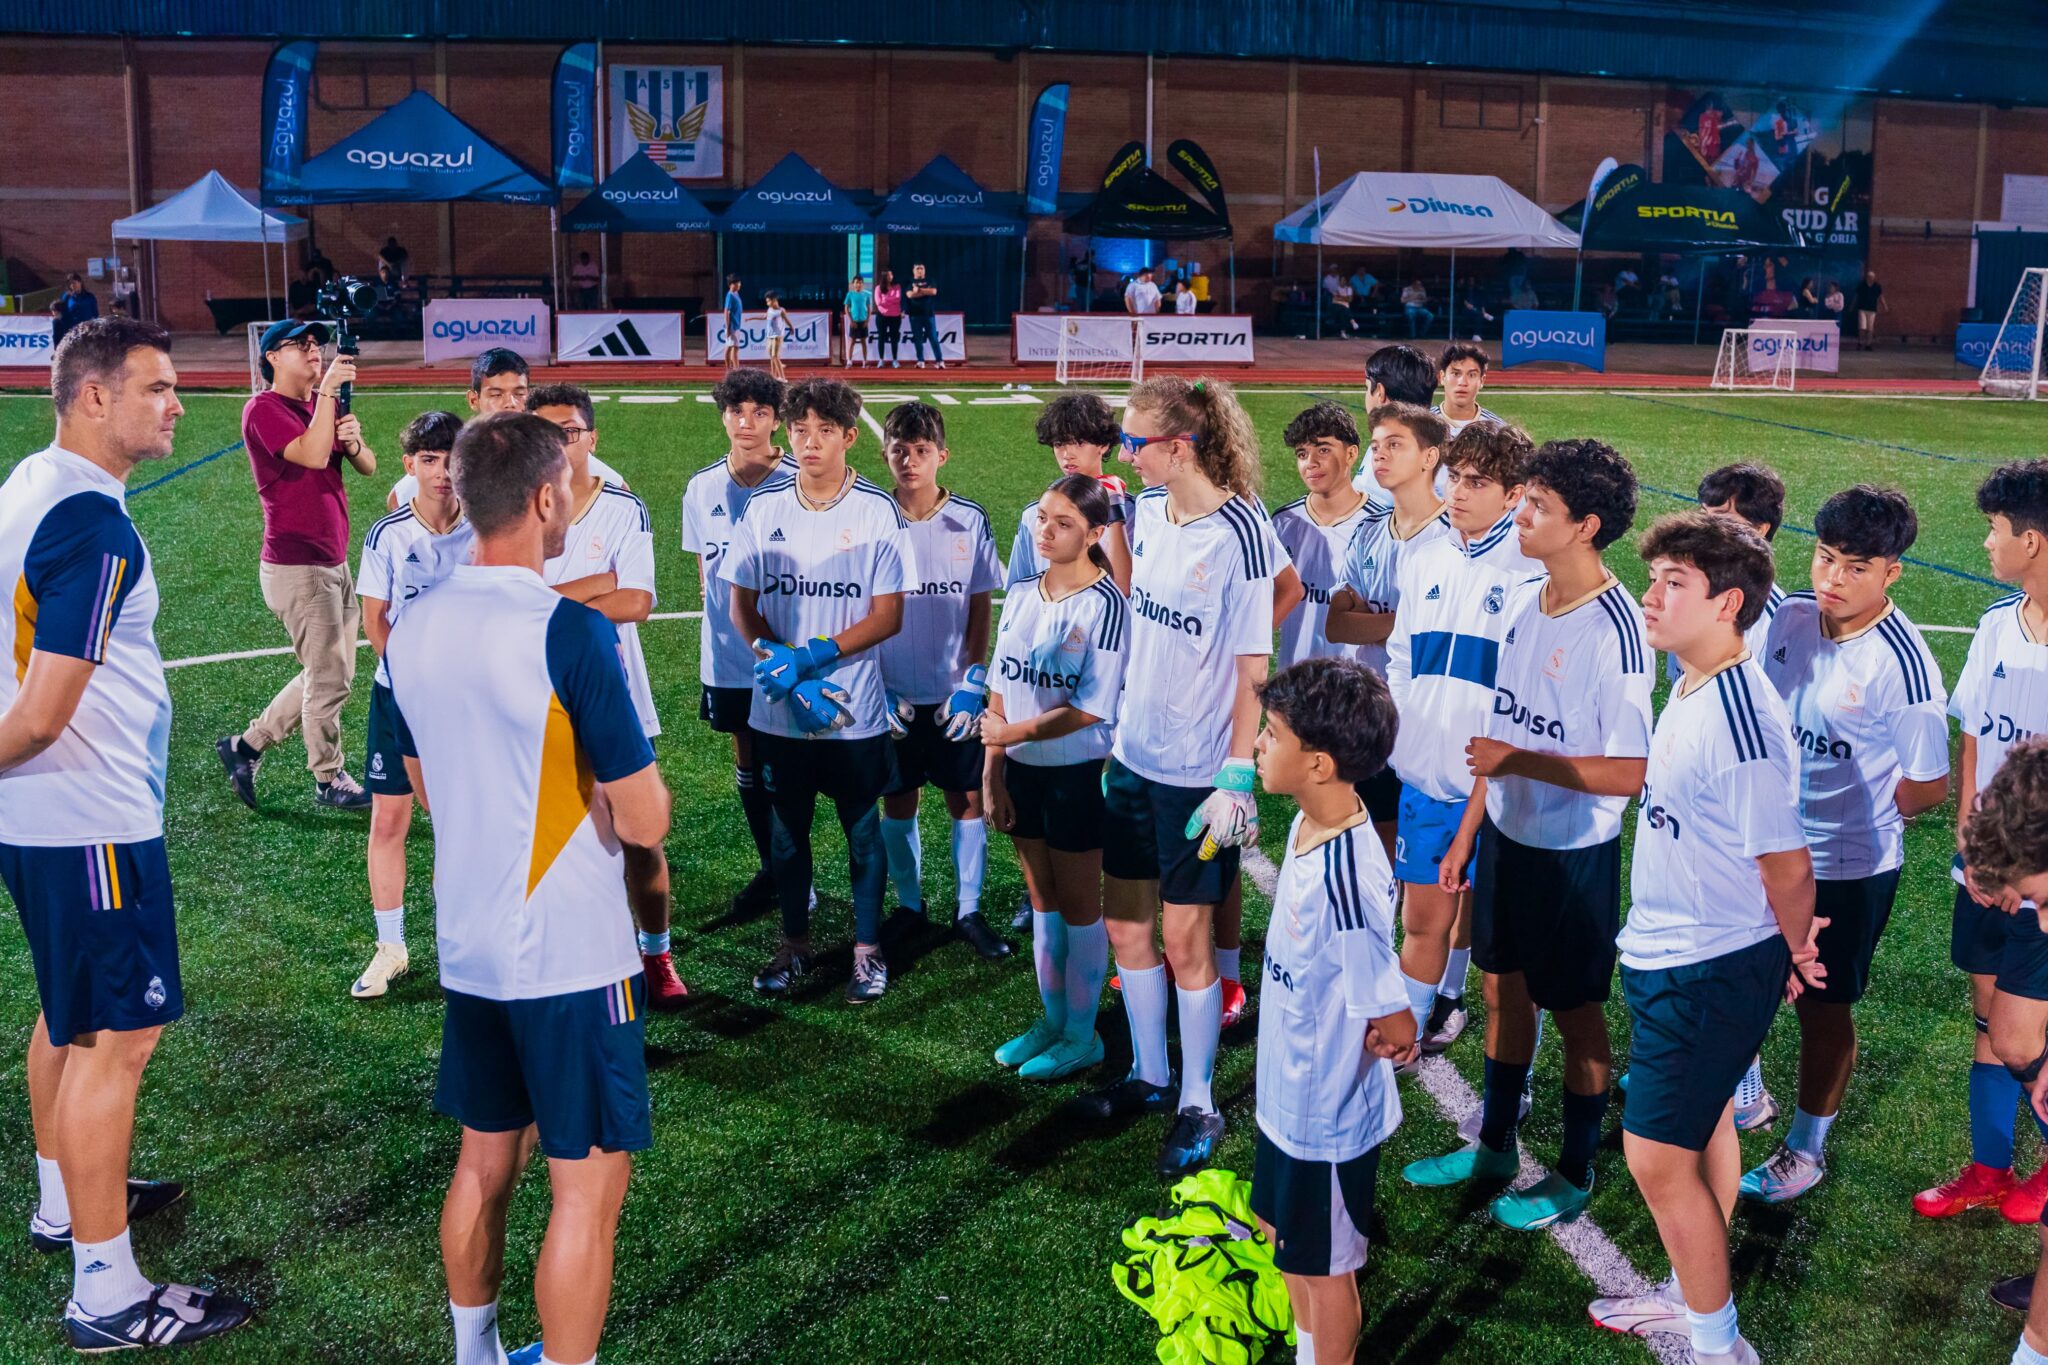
[
  {"x": 718, "y": 511},
  {"x": 1511, "y": 635},
  {"x": 1138, "y": 550},
  {"x": 1370, "y": 564},
  {"x": 776, "y": 537},
  {"x": 1779, "y": 654},
  {"x": 411, "y": 557},
  {"x": 1494, "y": 599},
  {"x": 1433, "y": 594},
  {"x": 1999, "y": 671}
]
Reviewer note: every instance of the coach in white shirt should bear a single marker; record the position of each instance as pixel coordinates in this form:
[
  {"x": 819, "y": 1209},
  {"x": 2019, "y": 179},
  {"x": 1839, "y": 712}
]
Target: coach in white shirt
[{"x": 1141, "y": 296}]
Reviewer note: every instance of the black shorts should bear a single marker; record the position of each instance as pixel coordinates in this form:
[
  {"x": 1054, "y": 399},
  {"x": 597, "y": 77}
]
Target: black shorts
[
  {"x": 852, "y": 772},
  {"x": 1550, "y": 914},
  {"x": 1976, "y": 935},
  {"x": 1382, "y": 796},
  {"x": 1319, "y": 1210},
  {"x": 1857, "y": 910},
  {"x": 1696, "y": 1029},
  {"x": 1144, "y": 837},
  {"x": 101, "y": 934},
  {"x": 2025, "y": 970},
  {"x": 725, "y": 709},
  {"x": 385, "y": 773},
  {"x": 926, "y": 758},
  {"x": 1061, "y": 805},
  {"x": 857, "y": 331}
]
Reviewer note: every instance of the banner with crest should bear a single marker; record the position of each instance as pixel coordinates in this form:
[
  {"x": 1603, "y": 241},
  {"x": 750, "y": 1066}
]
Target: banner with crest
[{"x": 675, "y": 114}]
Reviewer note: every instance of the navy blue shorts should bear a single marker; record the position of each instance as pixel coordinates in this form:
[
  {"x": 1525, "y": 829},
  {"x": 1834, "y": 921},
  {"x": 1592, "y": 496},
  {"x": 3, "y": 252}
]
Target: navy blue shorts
[
  {"x": 1424, "y": 836},
  {"x": 101, "y": 934},
  {"x": 725, "y": 709},
  {"x": 1319, "y": 1210},
  {"x": 1549, "y": 913},
  {"x": 926, "y": 758},
  {"x": 1857, "y": 910},
  {"x": 1060, "y": 804},
  {"x": 1696, "y": 1029},
  {"x": 385, "y": 775},
  {"x": 573, "y": 1065},
  {"x": 1382, "y": 796},
  {"x": 2025, "y": 969},
  {"x": 1976, "y": 935},
  {"x": 1144, "y": 836}
]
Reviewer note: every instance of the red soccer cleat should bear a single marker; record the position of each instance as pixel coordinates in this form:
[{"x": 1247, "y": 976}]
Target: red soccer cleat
[
  {"x": 2023, "y": 1203},
  {"x": 666, "y": 992},
  {"x": 1233, "y": 1002},
  {"x": 1974, "y": 1187},
  {"x": 1116, "y": 980}
]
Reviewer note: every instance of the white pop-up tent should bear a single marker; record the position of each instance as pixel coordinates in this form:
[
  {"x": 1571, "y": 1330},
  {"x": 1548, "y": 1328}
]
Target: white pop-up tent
[
  {"x": 212, "y": 210},
  {"x": 1418, "y": 212}
]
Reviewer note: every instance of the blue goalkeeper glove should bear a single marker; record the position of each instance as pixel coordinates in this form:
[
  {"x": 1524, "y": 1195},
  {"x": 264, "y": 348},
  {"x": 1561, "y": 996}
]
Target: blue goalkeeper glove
[
  {"x": 961, "y": 712},
  {"x": 1228, "y": 817},
  {"x": 820, "y": 706},
  {"x": 899, "y": 714},
  {"x": 788, "y": 665}
]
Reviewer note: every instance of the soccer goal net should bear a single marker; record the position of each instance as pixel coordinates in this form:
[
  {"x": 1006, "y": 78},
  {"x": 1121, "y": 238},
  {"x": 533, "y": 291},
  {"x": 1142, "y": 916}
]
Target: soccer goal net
[
  {"x": 1757, "y": 358},
  {"x": 1100, "y": 348},
  {"x": 2013, "y": 369}
]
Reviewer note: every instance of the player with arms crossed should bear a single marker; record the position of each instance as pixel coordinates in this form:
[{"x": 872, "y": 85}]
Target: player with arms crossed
[
  {"x": 819, "y": 565},
  {"x": 1334, "y": 1011},
  {"x": 1720, "y": 923},
  {"x": 1058, "y": 672},
  {"x": 1870, "y": 721},
  {"x": 1318, "y": 529},
  {"x": 1566, "y": 745}
]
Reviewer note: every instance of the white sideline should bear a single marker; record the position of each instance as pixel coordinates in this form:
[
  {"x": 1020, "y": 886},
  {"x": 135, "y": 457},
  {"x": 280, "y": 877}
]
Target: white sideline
[{"x": 1590, "y": 1249}]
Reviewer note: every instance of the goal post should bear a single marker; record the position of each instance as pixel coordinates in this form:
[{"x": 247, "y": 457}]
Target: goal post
[
  {"x": 1757, "y": 358},
  {"x": 2014, "y": 367},
  {"x": 1100, "y": 348}
]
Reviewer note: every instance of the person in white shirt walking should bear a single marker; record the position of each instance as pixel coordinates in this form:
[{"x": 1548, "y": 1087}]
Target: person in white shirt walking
[{"x": 1141, "y": 296}]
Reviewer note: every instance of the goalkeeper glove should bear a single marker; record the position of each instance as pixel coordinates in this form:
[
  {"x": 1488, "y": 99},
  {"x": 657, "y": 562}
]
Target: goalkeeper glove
[
  {"x": 787, "y": 665},
  {"x": 899, "y": 714},
  {"x": 1228, "y": 817},
  {"x": 961, "y": 712},
  {"x": 820, "y": 706}
]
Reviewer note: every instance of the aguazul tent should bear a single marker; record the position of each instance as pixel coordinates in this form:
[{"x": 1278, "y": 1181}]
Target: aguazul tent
[
  {"x": 1424, "y": 213},
  {"x": 414, "y": 152},
  {"x": 212, "y": 210},
  {"x": 793, "y": 197},
  {"x": 942, "y": 198},
  {"x": 638, "y": 197}
]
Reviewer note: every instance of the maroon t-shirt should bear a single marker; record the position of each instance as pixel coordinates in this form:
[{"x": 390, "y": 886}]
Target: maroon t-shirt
[{"x": 305, "y": 511}]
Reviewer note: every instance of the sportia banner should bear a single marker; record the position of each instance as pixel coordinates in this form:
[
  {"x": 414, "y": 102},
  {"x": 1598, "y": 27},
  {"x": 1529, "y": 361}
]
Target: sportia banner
[{"x": 1575, "y": 338}]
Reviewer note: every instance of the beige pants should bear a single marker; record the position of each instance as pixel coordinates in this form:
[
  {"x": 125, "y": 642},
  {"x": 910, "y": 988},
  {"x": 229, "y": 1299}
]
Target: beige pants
[{"x": 321, "y": 614}]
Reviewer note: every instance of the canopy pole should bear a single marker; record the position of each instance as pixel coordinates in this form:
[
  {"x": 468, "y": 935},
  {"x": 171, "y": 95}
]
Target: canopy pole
[
  {"x": 263, "y": 227},
  {"x": 1233, "y": 273},
  {"x": 1579, "y": 268},
  {"x": 1699, "y": 298},
  {"x": 1451, "y": 303},
  {"x": 555, "y": 254}
]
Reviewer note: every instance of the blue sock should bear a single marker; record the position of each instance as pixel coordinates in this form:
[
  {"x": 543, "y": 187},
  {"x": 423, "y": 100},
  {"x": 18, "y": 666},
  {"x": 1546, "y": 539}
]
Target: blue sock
[
  {"x": 1500, "y": 1102},
  {"x": 1583, "y": 1115},
  {"x": 1994, "y": 1095}
]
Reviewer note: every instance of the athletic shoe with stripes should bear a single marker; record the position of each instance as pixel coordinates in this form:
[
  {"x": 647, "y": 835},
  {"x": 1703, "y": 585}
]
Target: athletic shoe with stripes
[
  {"x": 1660, "y": 1310},
  {"x": 172, "y": 1315},
  {"x": 145, "y": 1198}
]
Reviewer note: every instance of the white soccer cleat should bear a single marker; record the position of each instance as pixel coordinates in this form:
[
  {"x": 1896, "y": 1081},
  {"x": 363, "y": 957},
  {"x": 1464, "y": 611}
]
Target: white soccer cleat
[
  {"x": 1660, "y": 1310},
  {"x": 1447, "y": 1020},
  {"x": 389, "y": 962},
  {"x": 1743, "y": 1354}
]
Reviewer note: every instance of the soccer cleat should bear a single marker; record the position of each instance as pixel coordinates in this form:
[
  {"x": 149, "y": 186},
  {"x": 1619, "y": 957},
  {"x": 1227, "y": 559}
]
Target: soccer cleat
[
  {"x": 1190, "y": 1142},
  {"x": 1473, "y": 1161},
  {"x": 904, "y": 925},
  {"x": 145, "y": 1199},
  {"x": 1742, "y": 1354},
  {"x": 757, "y": 895},
  {"x": 1553, "y": 1199},
  {"x": 1785, "y": 1175},
  {"x": 1233, "y": 1003},
  {"x": 1022, "y": 919},
  {"x": 1750, "y": 1117},
  {"x": 529, "y": 1354},
  {"x": 2015, "y": 1295},
  {"x": 870, "y": 977},
  {"x": 389, "y": 962},
  {"x": 1662, "y": 1309},
  {"x": 992, "y": 946},
  {"x": 341, "y": 792},
  {"x": 1042, "y": 1034},
  {"x": 1063, "y": 1059},
  {"x": 241, "y": 761},
  {"x": 1127, "y": 1097},
  {"x": 172, "y": 1315},
  {"x": 666, "y": 992},
  {"x": 1447, "y": 1020},
  {"x": 1974, "y": 1187},
  {"x": 2024, "y": 1202},
  {"x": 789, "y": 965},
  {"x": 1468, "y": 1127}
]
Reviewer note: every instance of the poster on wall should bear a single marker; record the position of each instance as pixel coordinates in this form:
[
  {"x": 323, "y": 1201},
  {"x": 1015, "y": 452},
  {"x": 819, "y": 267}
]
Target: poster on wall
[{"x": 675, "y": 114}]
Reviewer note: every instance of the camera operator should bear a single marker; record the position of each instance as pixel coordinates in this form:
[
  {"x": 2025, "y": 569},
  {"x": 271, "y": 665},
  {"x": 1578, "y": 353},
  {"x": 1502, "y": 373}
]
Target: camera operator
[{"x": 298, "y": 439}]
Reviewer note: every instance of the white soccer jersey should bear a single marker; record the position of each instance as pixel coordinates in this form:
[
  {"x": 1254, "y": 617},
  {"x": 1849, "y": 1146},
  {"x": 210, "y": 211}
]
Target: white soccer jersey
[
  {"x": 1721, "y": 792},
  {"x": 1330, "y": 970},
  {"x": 1024, "y": 560},
  {"x": 1445, "y": 650},
  {"x": 407, "y": 488},
  {"x": 512, "y": 698},
  {"x": 1576, "y": 683},
  {"x": 82, "y": 586},
  {"x": 712, "y": 503},
  {"x": 955, "y": 554},
  {"x": 396, "y": 548},
  {"x": 614, "y": 536},
  {"x": 1866, "y": 710},
  {"x": 817, "y": 573},
  {"x": 1757, "y": 637},
  {"x": 1372, "y": 564},
  {"x": 1318, "y": 553},
  {"x": 1456, "y": 426},
  {"x": 2002, "y": 695},
  {"x": 1066, "y": 652},
  {"x": 1201, "y": 595}
]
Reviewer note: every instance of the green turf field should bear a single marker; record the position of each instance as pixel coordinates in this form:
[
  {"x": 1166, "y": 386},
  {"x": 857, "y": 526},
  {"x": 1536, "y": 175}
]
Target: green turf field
[{"x": 867, "y": 1186}]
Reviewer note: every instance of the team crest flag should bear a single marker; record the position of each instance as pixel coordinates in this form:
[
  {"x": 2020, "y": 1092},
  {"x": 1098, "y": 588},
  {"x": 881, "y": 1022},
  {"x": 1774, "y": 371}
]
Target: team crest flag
[{"x": 675, "y": 114}]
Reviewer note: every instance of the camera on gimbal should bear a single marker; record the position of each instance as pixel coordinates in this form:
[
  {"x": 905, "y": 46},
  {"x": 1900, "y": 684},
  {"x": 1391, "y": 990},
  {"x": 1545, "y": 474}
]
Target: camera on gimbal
[{"x": 349, "y": 297}]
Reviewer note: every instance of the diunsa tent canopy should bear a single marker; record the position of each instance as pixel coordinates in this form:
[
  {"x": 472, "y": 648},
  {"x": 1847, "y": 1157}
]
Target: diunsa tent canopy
[
  {"x": 1424, "y": 213},
  {"x": 212, "y": 210}
]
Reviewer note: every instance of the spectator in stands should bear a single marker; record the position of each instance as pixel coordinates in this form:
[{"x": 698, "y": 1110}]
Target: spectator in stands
[
  {"x": 299, "y": 296},
  {"x": 1833, "y": 304},
  {"x": 1364, "y": 284},
  {"x": 1081, "y": 270},
  {"x": 1869, "y": 303},
  {"x": 586, "y": 280},
  {"x": 1671, "y": 300},
  {"x": 1184, "y": 299},
  {"x": 395, "y": 256},
  {"x": 125, "y": 292},
  {"x": 1808, "y": 305},
  {"x": 1415, "y": 303},
  {"x": 1338, "y": 299},
  {"x": 1198, "y": 282},
  {"x": 75, "y": 305},
  {"x": 1524, "y": 295},
  {"x": 318, "y": 265},
  {"x": 1628, "y": 288},
  {"x": 1141, "y": 296},
  {"x": 1472, "y": 314},
  {"x": 921, "y": 306}
]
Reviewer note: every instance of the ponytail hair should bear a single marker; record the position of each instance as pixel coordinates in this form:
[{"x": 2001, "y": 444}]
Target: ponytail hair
[
  {"x": 1226, "y": 445},
  {"x": 1091, "y": 500}
]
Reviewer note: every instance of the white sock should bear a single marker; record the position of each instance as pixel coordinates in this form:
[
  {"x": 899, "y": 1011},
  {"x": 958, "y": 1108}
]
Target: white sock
[
  {"x": 545, "y": 1361},
  {"x": 476, "y": 1334},
  {"x": 1201, "y": 1021},
  {"x": 1750, "y": 1088},
  {"x": 1809, "y": 1132},
  {"x": 1304, "y": 1348},
  {"x": 104, "y": 1278},
  {"x": 906, "y": 860},
  {"x": 1227, "y": 960},
  {"x": 653, "y": 945},
  {"x": 1049, "y": 948},
  {"x": 970, "y": 857},
  {"x": 1145, "y": 1007},
  {"x": 1421, "y": 999},
  {"x": 1087, "y": 965},
  {"x": 2024, "y": 1354},
  {"x": 1715, "y": 1333},
  {"x": 54, "y": 1208},
  {"x": 1455, "y": 968},
  {"x": 391, "y": 926}
]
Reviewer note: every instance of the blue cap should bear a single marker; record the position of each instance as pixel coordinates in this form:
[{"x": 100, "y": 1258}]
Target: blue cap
[{"x": 278, "y": 333}]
